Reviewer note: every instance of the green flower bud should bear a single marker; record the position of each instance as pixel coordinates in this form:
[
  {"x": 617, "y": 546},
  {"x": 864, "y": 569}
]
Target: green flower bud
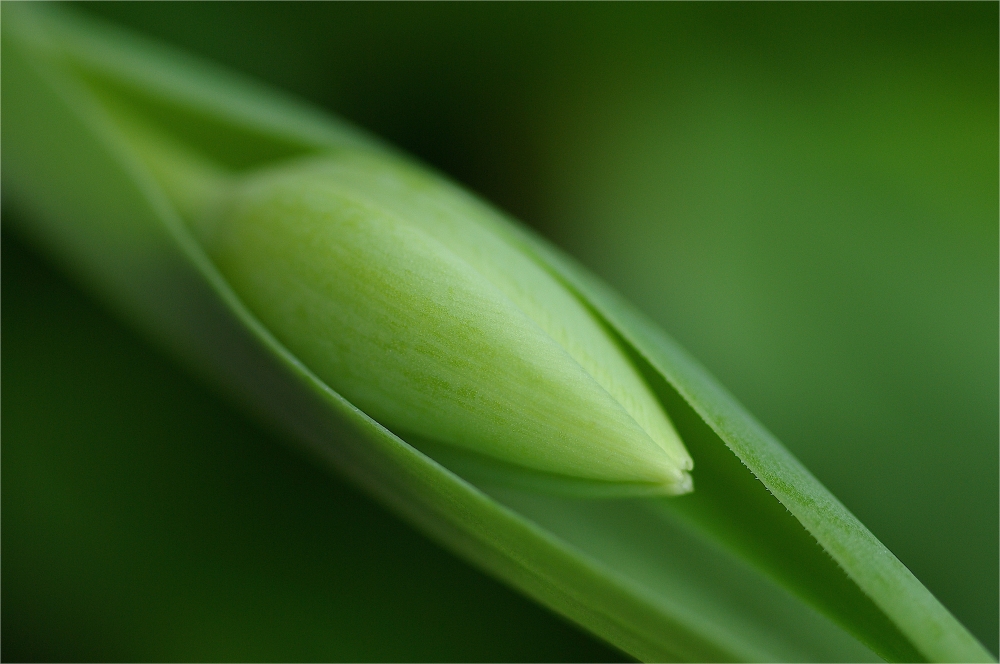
[
  {"x": 401, "y": 292},
  {"x": 408, "y": 296}
]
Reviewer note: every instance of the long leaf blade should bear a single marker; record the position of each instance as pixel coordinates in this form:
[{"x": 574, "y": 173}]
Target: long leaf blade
[{"x": 879, "y": 574}]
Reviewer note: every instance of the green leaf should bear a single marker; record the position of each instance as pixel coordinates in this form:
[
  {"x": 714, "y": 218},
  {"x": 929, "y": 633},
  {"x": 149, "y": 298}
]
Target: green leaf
[{"x": 751, "y": 566}]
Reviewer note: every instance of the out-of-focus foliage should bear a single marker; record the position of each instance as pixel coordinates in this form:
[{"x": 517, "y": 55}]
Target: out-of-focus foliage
[{"x": 804, "y": 195}]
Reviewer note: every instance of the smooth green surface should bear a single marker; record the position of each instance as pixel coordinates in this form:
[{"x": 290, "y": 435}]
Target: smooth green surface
[
  {"x": 627, "y": 626},
  {"x": 385, "y": 282}
]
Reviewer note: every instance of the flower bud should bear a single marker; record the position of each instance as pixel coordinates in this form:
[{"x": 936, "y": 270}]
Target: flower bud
[{"x": 404, "y": 294}]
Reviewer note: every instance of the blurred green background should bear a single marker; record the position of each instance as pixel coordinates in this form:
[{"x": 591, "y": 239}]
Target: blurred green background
[{"x": 804, "y": 195}]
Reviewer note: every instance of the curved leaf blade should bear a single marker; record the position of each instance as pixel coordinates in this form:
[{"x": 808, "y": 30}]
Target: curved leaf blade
[{"x": 915, "y": 612}]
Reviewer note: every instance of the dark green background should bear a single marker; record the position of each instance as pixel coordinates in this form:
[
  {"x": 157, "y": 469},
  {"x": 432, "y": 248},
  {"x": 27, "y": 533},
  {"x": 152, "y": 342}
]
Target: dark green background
[{"x": 805, "y": 195}]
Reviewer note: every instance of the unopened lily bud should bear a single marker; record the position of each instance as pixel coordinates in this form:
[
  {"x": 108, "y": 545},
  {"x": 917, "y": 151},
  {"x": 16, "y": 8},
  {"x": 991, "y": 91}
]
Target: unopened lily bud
[{"x": 402, "y": 293}]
